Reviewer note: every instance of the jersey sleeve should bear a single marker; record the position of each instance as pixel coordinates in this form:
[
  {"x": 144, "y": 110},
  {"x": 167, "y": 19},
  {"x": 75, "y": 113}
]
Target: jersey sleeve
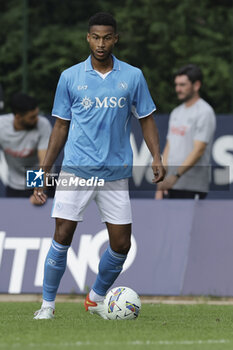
[
  {"x": 143, "y": 104},
  {"x": 45, "y": 131},
  {"x": 205, "y": 127},
  {"x": 62, "y": 103}
]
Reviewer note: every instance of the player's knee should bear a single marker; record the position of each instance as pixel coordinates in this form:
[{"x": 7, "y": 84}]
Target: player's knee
[
  {"x": 123, "y": 246},
  {"x": 63, "y": 232}
]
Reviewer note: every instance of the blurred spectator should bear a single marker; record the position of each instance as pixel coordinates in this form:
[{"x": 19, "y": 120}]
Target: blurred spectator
[
  {"x": 24, "y": 137},
  {"x": 190, "y": 135}
]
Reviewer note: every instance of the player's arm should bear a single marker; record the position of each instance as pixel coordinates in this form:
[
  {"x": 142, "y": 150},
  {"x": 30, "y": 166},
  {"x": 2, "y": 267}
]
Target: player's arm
[
  {"x": 41, "y": 155},
  {"x": 160, "y": 193},
  {"x": 151, "y": 137},
  {"x": 56, "y": 143},
  {"x": 192, "y": 158}
]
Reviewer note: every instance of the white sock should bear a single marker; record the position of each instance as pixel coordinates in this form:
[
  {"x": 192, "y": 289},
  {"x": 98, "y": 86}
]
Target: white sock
[
  {"x": 48, "y": 304},
  {"x": 95, "y": 297}
]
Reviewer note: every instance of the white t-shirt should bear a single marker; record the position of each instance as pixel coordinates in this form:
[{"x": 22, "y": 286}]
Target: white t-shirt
[
  {"x": 20, "y": 148},
  {"x": 187, "y": 124}
]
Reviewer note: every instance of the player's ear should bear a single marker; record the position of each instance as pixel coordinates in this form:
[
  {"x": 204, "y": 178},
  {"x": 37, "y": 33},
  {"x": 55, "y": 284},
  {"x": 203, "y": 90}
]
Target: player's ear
[{"x": 88, "y": 37}]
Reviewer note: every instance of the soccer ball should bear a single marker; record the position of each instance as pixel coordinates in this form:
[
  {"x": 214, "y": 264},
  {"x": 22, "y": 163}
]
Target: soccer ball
[{"x": 122, "y": 303}]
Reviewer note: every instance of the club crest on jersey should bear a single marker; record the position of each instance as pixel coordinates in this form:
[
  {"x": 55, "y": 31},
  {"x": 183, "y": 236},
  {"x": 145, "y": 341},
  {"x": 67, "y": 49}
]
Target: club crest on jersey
[
  {"x": 106, "y": 102},
  {"x": 123, "y": 85}
]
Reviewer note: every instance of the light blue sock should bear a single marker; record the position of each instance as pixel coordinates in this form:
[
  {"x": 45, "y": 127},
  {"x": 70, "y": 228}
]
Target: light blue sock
[
  {"x": 110, "y": 266},
  {"x": 55, "y": 265}
]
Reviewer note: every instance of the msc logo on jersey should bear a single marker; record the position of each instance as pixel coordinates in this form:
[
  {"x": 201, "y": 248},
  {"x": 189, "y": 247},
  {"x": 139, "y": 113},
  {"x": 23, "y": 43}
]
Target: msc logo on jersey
[
  {"x": 35, "y": 178},
  {"x": 106, "y": 102}
]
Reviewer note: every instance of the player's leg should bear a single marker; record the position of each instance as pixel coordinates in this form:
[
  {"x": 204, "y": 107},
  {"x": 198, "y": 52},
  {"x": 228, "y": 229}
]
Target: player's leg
[
  {"x": 115, "y": 209},
  {"x": 55, "y": 265},
  {"x": 110, "y": 266},
  {"x": 112, "y": 260},
  {"x": 55, "y": 262},
  {"x": 69, "y": 205}
]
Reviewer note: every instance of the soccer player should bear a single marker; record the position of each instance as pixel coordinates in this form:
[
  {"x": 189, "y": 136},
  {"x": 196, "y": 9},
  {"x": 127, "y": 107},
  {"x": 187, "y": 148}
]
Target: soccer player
[{"x": 93, "y": 105}]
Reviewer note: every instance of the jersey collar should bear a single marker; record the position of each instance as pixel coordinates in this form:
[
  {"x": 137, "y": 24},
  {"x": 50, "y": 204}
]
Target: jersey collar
[{"x": 88, "y": 65}]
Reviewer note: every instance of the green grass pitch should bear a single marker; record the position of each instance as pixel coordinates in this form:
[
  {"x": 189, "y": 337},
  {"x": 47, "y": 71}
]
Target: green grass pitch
[{"x": 159, "y": 326}]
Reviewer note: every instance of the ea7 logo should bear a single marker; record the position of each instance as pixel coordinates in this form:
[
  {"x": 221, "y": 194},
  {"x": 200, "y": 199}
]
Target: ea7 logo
[{"x": 82, "y": 87}]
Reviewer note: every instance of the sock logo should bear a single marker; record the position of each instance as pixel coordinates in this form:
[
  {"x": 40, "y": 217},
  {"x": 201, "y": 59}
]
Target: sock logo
[{"x": 51, "y": 262}]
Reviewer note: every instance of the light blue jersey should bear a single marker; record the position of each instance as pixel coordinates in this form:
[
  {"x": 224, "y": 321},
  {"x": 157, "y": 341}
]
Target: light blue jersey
[{"x": 100, "y": 110}]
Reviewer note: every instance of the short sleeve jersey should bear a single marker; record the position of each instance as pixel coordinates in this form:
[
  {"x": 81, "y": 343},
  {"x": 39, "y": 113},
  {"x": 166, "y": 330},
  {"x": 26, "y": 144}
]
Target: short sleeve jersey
[
  {"x": 99, "y": 110},
  {"x": 20, "y": 148},
  {"x": 187, "y": 124}
]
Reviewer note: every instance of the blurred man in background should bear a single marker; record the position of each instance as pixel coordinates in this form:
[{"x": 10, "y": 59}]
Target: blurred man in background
[
  {"x": 190, "y": 135},
  {"x": 24, "y": 137}
]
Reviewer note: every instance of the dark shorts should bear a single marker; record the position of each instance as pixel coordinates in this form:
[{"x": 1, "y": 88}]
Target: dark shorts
[{"x": 182, "y": 194}]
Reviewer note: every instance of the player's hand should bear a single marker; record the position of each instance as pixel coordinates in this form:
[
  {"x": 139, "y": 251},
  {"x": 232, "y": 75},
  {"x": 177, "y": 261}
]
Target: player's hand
[
  {"x": 158, "y": 170},
  {"x": 39, "y": 197}
]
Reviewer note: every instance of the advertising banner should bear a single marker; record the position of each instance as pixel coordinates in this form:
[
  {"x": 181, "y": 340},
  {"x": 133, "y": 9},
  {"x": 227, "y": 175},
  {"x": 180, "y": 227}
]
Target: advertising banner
[{"x": 178, "y": 247}]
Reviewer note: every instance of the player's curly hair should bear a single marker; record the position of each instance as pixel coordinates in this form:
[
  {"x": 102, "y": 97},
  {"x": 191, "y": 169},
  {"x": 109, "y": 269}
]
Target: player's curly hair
[{"x": 103, "y": 19}]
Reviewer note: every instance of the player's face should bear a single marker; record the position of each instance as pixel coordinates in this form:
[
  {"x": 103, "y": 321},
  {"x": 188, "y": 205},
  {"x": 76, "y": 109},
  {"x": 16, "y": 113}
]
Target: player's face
[
  {"x": 28, "y": 121},
  {"x": 185, "y": 89},
  {"x": 101, "y": 40}
]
